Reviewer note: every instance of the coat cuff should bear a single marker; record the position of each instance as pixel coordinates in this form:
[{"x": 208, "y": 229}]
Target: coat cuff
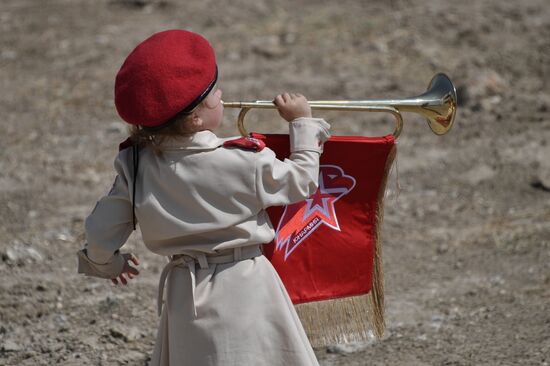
[
  {"x": 111, "y": 269},
  {"x": 308, "y": 134}
]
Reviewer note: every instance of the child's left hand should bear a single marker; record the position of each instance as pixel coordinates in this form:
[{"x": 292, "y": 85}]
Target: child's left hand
[
  {"x": 292, "y": 105},
  {"x": 130, "y": 271}
]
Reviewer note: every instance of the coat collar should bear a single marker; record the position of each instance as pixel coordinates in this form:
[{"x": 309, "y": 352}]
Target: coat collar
[{"x": 202, "y": 140}]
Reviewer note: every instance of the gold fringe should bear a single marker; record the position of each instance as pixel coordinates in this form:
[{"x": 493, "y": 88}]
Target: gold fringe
[
  {"x": 335, "y": 321},
  {"x": 376, "y": 295},
  {"x": 350, "y": 319}
]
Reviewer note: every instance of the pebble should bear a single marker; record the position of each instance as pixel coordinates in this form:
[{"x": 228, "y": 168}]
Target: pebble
[
  {"x": 21, "y": 254},
  {"x": 8, "y": 55},
  {"x": 422, "y": 337},
  {"x": 110, "y": 302},
  {"x": 442, "y": 248},
  {"x": 61, "y": 234},
  {"x": 132, "y": 355},
  {"x": 143, "y": 4},
  {"x": 479, "y": 174},
  {"x": 91, "y": 341},
  {"x": 11, "y": 346},
  {"x": 543, "y": 171},
  {"x": 491, "y": 102},
  {"x": 61, "y": 321},
  {"x": 347, "y": 348},
  {"x": 128, "y": 334}
]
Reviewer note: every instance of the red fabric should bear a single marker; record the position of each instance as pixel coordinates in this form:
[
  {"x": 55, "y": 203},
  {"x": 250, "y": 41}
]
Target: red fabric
[
  {"x": 250, "y": 143},
  {"x": 162, "y": 76},
  {"x": 324, "y": 246},
  {"x": 125, "y": 144}
]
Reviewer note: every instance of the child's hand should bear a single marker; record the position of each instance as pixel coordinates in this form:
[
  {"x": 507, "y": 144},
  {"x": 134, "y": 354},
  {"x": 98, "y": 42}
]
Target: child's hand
[
  {"x": 130, "y": 271},
  {"x": 292, "y": 106}
]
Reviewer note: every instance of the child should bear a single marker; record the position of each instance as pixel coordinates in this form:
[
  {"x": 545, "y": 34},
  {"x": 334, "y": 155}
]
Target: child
[{"x": 200, "y": 200}]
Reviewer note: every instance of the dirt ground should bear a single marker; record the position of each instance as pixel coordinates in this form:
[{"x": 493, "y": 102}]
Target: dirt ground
[{"x": 466, "y": 235}]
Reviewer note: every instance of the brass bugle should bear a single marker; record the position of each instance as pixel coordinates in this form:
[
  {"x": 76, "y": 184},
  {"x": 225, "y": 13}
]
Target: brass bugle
[{"x": 437, "y": 105}]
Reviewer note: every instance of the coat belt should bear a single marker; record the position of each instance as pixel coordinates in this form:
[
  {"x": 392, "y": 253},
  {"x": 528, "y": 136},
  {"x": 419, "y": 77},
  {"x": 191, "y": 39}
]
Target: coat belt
[{"x": 190, "y": 260}]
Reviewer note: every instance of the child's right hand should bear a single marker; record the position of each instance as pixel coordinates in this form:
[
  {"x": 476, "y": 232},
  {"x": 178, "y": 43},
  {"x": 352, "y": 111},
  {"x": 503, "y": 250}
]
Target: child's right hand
[
  {"x": 128, "y": 269},
  {"x": 292, "y": 106}
]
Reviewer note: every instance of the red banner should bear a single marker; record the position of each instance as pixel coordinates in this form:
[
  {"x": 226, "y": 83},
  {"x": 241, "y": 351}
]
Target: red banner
[{"x": 324, "y": 246}]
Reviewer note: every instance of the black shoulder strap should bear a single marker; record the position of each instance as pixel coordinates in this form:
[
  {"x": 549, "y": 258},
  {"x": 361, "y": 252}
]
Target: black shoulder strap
[{"x": 135, "y": 159}]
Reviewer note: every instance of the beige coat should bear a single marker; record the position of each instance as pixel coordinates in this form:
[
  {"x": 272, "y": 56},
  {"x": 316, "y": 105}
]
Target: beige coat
[{"x": 224, "y": 306}]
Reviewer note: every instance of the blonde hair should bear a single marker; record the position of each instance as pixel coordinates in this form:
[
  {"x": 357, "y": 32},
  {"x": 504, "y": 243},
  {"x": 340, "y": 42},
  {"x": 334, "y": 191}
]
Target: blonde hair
[{"x": 178, "y": 126}]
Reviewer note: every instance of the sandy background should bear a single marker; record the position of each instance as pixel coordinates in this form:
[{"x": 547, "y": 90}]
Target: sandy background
[{"x": 467, "y": 223}]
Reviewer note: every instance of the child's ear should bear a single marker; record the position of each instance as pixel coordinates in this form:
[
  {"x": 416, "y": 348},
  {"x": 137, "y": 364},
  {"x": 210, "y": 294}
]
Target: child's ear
[{"x": 196, "y": 121}]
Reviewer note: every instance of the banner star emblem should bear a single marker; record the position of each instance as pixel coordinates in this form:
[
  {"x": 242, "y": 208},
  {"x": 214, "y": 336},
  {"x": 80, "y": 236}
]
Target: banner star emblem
[{"x": 301, "y": 219}]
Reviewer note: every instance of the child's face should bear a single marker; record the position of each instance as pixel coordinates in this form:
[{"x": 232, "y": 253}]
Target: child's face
[{"x": 211, "y": 111}]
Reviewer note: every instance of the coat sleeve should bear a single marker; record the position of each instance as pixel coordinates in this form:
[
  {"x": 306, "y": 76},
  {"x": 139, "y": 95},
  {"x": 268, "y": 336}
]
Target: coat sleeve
[
  {"x": 108, "y": 227},
  {"x": 296, "y": 178}
]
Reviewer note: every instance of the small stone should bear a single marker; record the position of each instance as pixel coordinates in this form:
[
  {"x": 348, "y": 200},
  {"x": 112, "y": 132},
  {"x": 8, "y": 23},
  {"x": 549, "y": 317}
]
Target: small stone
[
  {"x": 91, "y": 341},
  {"x": 11, "y": 346},
  {"x": 10, "y": 255},
  {"x": 442, "y": 248},
  {"x": 8, "y": 55},
  {"x": 347, "y": 348},
  {"x": 139, "y": 3},
  {"x": 34, "y": 254},
  {"x": 541, "y": 179},
  {"x": 130, "y": 334},
  {"x": 62, "y": 237},
  {"x": 479, "y": 174},
  {"x": 116, "y": 332},
  {"x": 21, "y": 254},
  {"x": 490, "y": 102},
  {"x": 134, "y": 356},
  {"x": 110, "y": 302},
  {"x": 133, "y": 334},
  {"x": 422, "y": 337},
  {"x": 60, "y": 319}
]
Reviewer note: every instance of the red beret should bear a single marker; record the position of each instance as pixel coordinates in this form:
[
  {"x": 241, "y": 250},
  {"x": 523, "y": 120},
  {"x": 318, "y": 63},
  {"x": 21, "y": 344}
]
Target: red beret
[{"x": 168, "y": 73}]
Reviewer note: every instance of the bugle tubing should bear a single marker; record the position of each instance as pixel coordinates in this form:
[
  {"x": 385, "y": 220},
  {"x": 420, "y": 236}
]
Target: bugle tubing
[{"x": 437, "y": 105}]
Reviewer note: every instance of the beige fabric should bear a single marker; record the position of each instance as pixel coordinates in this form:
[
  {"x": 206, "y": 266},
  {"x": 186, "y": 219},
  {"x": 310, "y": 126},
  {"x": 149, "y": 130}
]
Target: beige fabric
[
  {"x": 111, "y": 269},
  {"x": 200, "y": 197},
  {"x": 244, "y": 318},
  {"x": 190, "y": 260}
]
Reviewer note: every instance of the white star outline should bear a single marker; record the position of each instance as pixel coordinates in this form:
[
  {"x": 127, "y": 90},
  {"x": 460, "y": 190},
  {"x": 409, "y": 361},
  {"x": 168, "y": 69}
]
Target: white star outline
[{"x": 310, "y": 209}]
